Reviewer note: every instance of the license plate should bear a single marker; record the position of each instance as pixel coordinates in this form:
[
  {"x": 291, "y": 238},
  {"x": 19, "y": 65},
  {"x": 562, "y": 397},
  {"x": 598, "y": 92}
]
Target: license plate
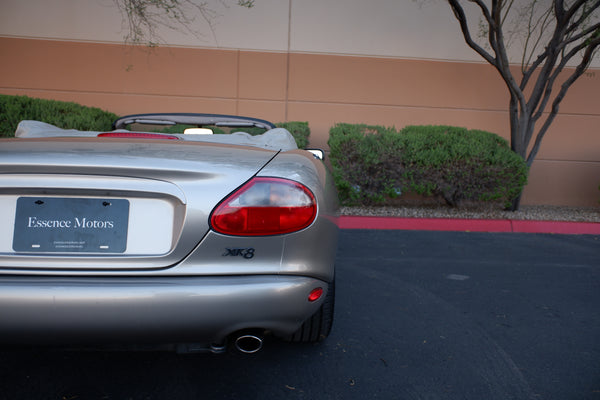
[{"x": 52, "y": 224}]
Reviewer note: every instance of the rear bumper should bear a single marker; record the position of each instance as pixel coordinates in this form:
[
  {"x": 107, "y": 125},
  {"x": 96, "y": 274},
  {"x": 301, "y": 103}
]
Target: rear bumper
[{"x": 53, "y": 310}]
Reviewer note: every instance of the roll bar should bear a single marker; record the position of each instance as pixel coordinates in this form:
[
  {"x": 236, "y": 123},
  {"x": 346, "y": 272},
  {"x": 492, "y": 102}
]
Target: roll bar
[{"x": 198, "y": 120}]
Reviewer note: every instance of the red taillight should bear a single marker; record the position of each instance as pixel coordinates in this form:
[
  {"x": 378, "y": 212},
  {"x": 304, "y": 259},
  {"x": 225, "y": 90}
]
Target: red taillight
[
  {"x": 265, "y": 206},
  {"x": 315, "y": 294},
  {"x": 137, "y": 135}
]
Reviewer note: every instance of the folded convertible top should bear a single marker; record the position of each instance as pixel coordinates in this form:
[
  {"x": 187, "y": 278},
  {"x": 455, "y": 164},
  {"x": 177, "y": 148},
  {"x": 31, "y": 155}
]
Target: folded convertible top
[{"x": 273, "y": 139}]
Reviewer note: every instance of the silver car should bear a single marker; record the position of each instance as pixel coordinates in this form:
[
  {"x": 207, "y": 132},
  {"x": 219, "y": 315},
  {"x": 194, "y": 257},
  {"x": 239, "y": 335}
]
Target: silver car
[{"x": 194, "y": 240}]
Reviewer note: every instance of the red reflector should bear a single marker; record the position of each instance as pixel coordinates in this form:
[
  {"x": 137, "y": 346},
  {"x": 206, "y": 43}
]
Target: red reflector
[
  {"x": 265, "y": 206},
  {"x": 315, "y": 294},
  {"x": 137, "y": 135}
]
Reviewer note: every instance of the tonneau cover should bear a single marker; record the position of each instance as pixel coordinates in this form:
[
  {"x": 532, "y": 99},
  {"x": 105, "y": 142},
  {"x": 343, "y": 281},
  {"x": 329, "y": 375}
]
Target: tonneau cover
[{"x": 274, "y": 139}]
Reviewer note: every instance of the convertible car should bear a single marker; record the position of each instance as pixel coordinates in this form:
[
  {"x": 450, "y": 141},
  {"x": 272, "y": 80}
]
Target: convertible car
[{"x": 193, "y": 240}]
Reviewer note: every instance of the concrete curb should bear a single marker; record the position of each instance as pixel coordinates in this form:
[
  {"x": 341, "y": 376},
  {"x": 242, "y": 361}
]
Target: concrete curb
[{"x": 469, "y": 225}]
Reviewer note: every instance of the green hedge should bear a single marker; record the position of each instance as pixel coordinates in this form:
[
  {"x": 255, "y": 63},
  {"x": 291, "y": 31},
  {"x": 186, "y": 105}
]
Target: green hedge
[
  {"x": 14, "y": 109},
  {"x": 372, "y": 164}
]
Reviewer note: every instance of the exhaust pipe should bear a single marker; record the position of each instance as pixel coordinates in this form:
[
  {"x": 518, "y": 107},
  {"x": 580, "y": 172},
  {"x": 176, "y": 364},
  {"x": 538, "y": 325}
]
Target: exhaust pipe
[{"x": 249, "y": 343}]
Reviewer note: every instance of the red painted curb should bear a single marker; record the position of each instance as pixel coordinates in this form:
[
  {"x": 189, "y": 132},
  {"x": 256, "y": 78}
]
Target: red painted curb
[{"x": 468, "y": 225}]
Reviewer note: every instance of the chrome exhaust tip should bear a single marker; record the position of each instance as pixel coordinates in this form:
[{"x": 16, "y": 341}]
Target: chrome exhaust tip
[{"x": 249, "y": 343}]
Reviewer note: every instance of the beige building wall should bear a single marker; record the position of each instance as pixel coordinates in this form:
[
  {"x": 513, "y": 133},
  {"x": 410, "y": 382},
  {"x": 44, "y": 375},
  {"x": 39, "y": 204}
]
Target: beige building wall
[{"x": 311, "y": 66}]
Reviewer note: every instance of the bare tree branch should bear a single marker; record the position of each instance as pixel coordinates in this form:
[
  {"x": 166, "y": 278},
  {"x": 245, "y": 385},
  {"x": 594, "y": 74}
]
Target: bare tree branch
[
  {"x": 579, "y": 71},
  {"x": 144, "y": 18},
  {"x": 459, "y": 13},
  {"x": 540, "y": 26},
  {"x": 501, "y": 61},
  {"x": 586, "y": 32},
  {"x": 591, "y": 46}
]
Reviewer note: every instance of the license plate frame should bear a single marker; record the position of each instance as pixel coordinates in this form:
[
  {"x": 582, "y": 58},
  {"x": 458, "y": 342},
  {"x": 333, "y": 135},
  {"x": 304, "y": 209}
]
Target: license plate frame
[{"x": 70, "y": 225}]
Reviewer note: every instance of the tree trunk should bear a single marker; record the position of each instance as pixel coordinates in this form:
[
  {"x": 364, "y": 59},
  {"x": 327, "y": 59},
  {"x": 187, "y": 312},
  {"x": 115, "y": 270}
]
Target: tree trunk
[
  {"x": 515, "y": 203},
  {"x": 520, "y": 121}
]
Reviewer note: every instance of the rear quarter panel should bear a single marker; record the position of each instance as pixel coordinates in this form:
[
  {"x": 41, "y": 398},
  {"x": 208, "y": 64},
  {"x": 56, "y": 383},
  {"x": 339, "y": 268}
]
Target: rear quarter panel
[{"x": 311, "y": 251}]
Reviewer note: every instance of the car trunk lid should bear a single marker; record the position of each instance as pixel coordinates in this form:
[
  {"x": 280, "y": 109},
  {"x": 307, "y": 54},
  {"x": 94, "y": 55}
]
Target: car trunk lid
[{"x": 112, "y": 204}]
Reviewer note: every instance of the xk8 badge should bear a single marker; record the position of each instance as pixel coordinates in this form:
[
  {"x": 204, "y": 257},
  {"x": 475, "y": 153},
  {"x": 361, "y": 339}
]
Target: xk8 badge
[{"x": 247, "y": 253}]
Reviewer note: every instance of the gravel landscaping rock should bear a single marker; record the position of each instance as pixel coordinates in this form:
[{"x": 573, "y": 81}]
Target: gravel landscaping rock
[{"x": 538, "y": 213}]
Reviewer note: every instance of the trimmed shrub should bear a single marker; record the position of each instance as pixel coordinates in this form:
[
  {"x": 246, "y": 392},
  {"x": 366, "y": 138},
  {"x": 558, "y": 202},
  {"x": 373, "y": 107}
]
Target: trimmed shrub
[
  {"x": 362, "y": 157},
  {"x": 459, "y": 164},
  {"x": 374, "y": 164},
  {"x": 14, "y": 109}
]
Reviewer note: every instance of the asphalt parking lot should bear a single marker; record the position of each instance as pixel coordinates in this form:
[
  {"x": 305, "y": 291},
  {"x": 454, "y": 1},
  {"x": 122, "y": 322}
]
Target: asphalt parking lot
[{"x": 419, "y": 315}]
